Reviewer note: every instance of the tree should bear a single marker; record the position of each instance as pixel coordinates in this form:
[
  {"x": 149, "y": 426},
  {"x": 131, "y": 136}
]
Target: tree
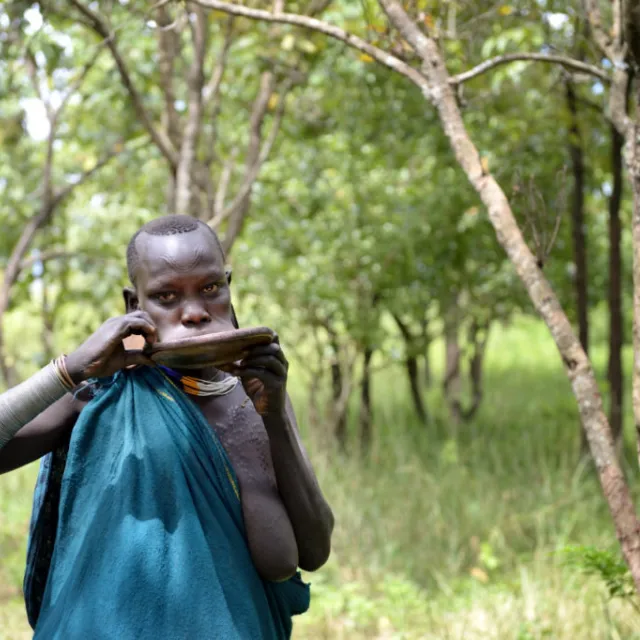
[
  {"x": 204, "y": 162},
  {"x": 438, "y": 87},
  {"x": 54, "y": 83},
  {"x": 92, "y": 71}
]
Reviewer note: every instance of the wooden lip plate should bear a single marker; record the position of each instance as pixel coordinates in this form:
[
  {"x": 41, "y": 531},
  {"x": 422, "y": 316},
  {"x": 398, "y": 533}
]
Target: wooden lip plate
[{"x": 210, "y": 350}]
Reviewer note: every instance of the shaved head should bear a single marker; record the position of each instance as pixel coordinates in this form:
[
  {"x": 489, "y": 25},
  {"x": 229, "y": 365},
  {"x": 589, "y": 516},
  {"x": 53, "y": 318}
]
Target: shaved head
[{"x": 165, "y": 226}]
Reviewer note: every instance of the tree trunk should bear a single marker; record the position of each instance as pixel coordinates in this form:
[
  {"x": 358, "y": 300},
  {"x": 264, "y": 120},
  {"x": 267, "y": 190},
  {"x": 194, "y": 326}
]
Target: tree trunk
[
  {"x": 478, "y": 336},
  {"x": 339, "y": 396},
  {"x": 340, "y": 425},
  {"x": 413, "y": 373},
  {"x": 184, "y": 188},
  {"x": 452, "y": 384},
  {"x": 579, "y": 233},
  {"x": 578, "y": 226},
  {"x": 366, "y": 414},
  {"x": 314, "y": 388},
  {"x": 427, "y": 376},
  {"x": 616, "y": 331},
  {"x": 634, "y": 172},
  {"x": 252, "y": 162},
  {"x": 412, "y": 368}
]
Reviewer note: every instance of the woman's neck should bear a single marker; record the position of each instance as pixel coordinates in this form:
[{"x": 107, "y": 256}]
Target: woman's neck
[{"x": 206, "y": 373}]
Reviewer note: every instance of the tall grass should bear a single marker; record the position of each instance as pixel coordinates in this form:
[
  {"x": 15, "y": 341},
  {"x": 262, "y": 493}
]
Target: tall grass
[{"x": 442, "y": 534}]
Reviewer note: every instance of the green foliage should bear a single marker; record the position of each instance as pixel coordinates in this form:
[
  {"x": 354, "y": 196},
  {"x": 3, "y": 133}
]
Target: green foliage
[
  {"x": 605, "y": 564},
  {"x": 359, "y": 213}
]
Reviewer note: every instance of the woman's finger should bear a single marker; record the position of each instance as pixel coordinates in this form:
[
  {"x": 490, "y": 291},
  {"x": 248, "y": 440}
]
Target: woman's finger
[
  {"x": 267, "y": 377},
  {"x": 137, "y": 357},
  {"x": 272, "y": 349},
  {"x": 270, "y": 363},
  {"x": 137, "y": 326}
]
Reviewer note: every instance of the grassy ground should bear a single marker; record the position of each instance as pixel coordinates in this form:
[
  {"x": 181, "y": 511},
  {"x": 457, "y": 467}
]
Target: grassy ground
[{"x": 442, "y": 535}]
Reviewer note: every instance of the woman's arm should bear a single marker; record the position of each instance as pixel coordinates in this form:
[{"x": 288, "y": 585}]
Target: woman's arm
[
  {"x": 41, "y": 435},
  {"x": 309, "y": 513},
  {"x": 264, "y": 375},
  {"x": 24, "y": 402}
]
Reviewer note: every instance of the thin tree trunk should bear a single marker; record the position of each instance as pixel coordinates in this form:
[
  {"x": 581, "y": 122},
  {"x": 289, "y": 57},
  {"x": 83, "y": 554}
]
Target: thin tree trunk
[
  {"x": 412, "y": 368},
  {"x": 336, "y": 386},
  {"x": 168, "y": 47},
  {"x": 366, "y": 414},
  {"x": 616, "y": 331},
  {"x": 578, "y": 226},
  {"x": 242, "y": 202},
  {"x": 184, "y": 191},
  {"x": 427, "y": 376},
  {"x": 478, "y": 336},
  {"x": 579, "y": 235},
  {"x": 634, "y": 171},
  {"x": 452, "y": 384},
  {"x": 413, "y": 373},
  {"x": 337, "y": 394}
]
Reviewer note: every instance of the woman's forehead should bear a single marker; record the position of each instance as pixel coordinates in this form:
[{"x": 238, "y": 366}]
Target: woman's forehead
[{"x": 181, "y": 252}]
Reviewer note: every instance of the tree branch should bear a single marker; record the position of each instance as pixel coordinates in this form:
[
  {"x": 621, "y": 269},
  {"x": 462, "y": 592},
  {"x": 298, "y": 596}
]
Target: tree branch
[
  {"x": 616, "y": 30},
  {"x": 82, "y": 75},
  {"x": 50, "y": 204},
  {"x": 567, "y": 63},
  {"x": 238, "y": 207},
  {"x": 195, "y": 82},
  {"x": 615, "y": 49},
  {"x": 27, "y": 263},
  {"x": 84, "y": 176},
  {"x": 387, "y": 59},
  {"x": 600, "y": 35},
  {"x": 159, "y": 137},
  {"x": 166, "y": 64},
  {"x": 221, "y": 192},
  {"x": 32, "y": 72},
  {"x": 256, "y": 156},
  {"x": 211, "y": 93}
]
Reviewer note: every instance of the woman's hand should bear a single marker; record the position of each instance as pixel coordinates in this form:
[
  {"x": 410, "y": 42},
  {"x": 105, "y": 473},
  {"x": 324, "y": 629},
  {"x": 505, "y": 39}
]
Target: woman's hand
[
  {"x": 103, "y": 353},
  {"x": 264, "y": 377}
]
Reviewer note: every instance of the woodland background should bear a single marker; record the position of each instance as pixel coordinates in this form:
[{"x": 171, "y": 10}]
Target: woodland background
[{"x": 362, "y": 227}]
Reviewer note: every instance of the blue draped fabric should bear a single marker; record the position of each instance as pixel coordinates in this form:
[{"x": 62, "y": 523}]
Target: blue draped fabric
[{"x": 137, "y": 528}]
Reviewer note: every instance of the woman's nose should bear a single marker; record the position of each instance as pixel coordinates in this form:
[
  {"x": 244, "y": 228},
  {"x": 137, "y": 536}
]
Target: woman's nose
[{"x": 194, "y": 315}]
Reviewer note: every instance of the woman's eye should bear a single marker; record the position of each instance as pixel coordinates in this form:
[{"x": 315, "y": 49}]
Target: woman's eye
[
  {"x": 211, "y": 288},
  {"x": 168, "y": 296}
]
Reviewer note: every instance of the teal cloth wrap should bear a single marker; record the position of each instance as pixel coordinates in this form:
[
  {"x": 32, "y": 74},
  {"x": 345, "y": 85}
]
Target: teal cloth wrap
[{"x": 150, "y": 540}]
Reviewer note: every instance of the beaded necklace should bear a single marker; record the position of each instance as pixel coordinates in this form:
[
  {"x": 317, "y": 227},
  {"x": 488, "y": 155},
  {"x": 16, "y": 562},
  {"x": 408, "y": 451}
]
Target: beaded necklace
[{"x": 199, "y": 387}]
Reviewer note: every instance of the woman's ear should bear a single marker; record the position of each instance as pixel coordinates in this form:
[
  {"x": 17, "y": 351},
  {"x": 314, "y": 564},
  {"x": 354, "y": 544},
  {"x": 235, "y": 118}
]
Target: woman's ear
[
  {"x": 130, "y": 299},
  {"x": 227, "y": 273}
]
